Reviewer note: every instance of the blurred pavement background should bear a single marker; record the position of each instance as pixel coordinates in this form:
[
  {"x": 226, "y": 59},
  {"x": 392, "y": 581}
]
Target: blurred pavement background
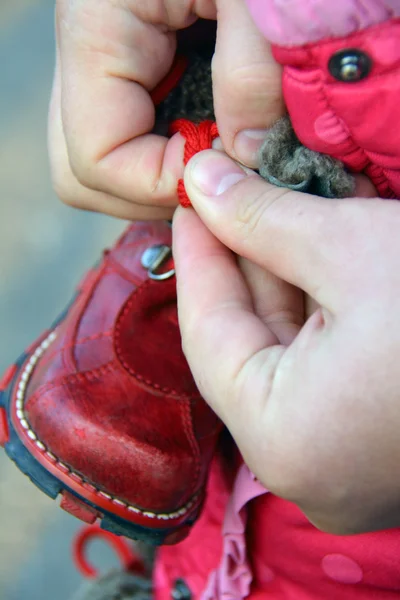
[{"x": 44, "y": 249}]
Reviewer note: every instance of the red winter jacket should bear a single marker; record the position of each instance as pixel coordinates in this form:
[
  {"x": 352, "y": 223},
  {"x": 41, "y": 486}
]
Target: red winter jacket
[
  {"x": 249, "y": 543},
  {"x": 357, "y": 122}
]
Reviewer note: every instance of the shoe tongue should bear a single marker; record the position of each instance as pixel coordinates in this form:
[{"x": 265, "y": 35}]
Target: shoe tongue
[{"x": 150, "y": 318}]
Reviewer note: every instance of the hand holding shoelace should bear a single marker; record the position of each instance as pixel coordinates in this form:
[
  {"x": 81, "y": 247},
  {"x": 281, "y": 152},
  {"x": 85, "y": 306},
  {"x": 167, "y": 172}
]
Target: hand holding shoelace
[
  {"x": 110, "y": 56},
  {"x": 314, "y": 406}
]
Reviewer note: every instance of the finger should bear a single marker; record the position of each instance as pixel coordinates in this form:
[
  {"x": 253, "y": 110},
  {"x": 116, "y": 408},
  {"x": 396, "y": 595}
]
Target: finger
[
  {"x": 257, "y": 387},
  {"x": 278, "y": 304},
  {"x": 66, "y": 185},
  {"x": 308, "y": 241},
  {"x": 111, "y": 58},
  {"x": 222, "y": 336},
  {"x": 271, "y": 26},
  {"x": 246, "y": 81}
]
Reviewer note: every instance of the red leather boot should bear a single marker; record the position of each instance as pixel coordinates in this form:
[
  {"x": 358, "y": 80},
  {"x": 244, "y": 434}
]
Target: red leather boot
[{"x": 102, "y": 410}]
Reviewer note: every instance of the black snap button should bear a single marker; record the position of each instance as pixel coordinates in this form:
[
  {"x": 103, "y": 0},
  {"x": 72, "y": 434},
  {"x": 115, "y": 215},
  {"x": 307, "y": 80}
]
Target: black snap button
[
  {"x": 180, "y": 591},
  {"x": 350, "y": 65}
]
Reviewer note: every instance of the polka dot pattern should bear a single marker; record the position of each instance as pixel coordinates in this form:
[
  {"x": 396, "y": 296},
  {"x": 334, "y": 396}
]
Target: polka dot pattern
[{"x": 341, "y": 568}]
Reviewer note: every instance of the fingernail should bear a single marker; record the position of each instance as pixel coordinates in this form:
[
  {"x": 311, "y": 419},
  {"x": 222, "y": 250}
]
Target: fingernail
[
  {"x": 247, "y": 145},
  {"x": 217, "y": 144},
  {"x": 213, "y": 174}
]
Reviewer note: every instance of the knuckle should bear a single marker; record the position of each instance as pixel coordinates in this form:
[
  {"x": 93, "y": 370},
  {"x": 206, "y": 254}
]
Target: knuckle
[
  {"x": 65, "y": 185},
  {"x": 254, "y": 212},
  {"x": 64, "y": 191},
  {"x": 252, "y": 80},
  {"x": 250, "y": 212},
  {"x": 83, "y": 167}
]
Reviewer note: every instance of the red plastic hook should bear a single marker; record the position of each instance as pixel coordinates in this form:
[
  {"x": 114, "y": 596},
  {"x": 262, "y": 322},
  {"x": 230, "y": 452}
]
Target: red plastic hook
[{"x": 130, "y": 561}]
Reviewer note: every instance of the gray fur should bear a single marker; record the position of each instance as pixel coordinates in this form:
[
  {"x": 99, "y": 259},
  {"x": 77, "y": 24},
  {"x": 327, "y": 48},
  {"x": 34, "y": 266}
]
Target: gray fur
[
  {"x": 284, "y": 161},
  {"x": 116, "y": 585}
]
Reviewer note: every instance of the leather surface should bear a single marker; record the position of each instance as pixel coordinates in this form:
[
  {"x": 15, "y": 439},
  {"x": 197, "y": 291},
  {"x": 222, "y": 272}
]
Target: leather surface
[{"x": 113, "y": 396}]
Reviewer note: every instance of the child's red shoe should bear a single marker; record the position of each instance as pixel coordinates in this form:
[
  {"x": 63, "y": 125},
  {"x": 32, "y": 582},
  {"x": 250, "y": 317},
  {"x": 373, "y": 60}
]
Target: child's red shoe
[{"x": 102, "y": 410}]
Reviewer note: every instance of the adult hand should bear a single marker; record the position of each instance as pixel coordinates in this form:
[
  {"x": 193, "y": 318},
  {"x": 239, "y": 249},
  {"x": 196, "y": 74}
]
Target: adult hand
[
  {"x": 111, "y": 54},
  {"x": 314, "y": 407}
]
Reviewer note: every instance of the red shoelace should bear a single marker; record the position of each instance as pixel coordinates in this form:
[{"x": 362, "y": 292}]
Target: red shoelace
[{"x": 198, "y": 137}]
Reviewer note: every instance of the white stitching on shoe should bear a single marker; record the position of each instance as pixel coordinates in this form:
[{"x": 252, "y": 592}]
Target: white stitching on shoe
[{"x": 20, "y": 395}]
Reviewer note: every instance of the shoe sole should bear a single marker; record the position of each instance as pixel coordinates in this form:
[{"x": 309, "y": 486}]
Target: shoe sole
[{"x": 57, "y": 480}]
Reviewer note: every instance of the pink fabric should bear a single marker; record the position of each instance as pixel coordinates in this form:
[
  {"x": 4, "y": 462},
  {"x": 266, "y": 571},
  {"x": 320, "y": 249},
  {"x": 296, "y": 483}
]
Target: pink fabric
[
  {"x": 218, "y": 538},
  {"x": 258, "y": 546},
  {"x": 233, "y": 578},
  {"x": 197, "y": 556},
  {"x": 292, "y": 560},
  {"x": 357, "y": 123},
  {"x": 299, "y": 22}
]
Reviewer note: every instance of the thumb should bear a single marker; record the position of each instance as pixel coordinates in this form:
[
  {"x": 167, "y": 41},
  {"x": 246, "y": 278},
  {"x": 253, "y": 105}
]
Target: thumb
[{"x": 303, "y": 239}]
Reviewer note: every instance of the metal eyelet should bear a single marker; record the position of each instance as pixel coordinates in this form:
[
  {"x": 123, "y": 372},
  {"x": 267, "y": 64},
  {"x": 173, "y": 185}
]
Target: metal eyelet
[
  {"x": 153, "y": 258},
  {"x": 180, "y": 591},
  {"x": 350, "y": 65}
]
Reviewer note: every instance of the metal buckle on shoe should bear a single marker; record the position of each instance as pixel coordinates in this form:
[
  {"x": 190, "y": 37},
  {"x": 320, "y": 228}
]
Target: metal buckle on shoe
[{"x": 153, "y": 258}]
